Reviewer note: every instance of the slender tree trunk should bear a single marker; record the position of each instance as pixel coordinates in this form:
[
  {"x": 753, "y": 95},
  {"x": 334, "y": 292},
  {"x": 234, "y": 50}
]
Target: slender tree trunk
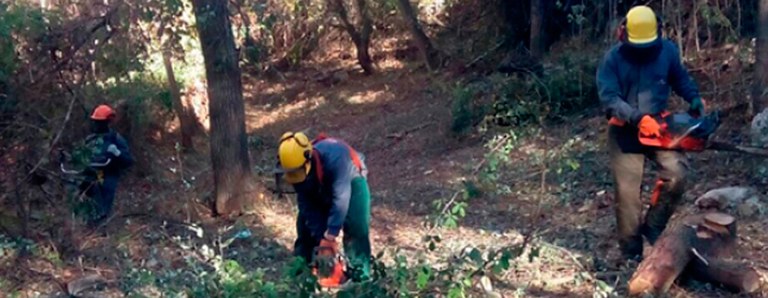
[
  {"x": 366, "y": 28},
  {"x": 186, "y": 119},
  {"x": 361, "y": 39},
  {"x": 695, "y": 32},
  {"x": 229, "y": 151},
  {"x": 760, "y": 88},
  {"x": 679, "y": 28},
  {"x": 249, "y": 43},
  {"x": 430, "y": 55},
  {"x": 537, "y": 28}
]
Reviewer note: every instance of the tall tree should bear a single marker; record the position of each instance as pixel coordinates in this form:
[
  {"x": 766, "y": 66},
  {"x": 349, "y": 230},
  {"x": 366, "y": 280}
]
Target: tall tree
[
  {"x": 185, "y": 115},
  {"x": 760, "y": 88},
  {"x": 430, "y": 55},
  {"x": 362, "y": 37},
  {"x": 229, "y": 151},
  {"x": 169, "y": 44},
  {"x": 537, "y": 28}
]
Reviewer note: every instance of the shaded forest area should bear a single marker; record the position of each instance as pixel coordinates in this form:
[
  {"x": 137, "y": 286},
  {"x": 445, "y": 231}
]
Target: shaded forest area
[{"x": 480, "y": 119}]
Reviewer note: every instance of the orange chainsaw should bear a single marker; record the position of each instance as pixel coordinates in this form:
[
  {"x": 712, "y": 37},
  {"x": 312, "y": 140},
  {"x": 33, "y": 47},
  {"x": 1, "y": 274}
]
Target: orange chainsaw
[
  {"x": 329, "y": 266},
  {"x": 685, "y": 132}
]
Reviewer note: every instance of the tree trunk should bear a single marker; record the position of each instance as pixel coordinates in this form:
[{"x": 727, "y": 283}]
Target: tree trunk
[
  {"x": 760, "y": 88},
  {"x": 361, "y": 39},
  {"x": 186, "y": 119},
  {"x": 537, "y": 28},
  {"x": 429, "y": 53},
  {"x": 229, "y": 151},
  {"x": 700, "y": 244},
  {"x": 366, "y": 28}
]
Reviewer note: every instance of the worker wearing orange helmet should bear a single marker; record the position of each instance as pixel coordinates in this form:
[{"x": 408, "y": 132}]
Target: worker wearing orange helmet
[
  {"x": 329, "y": 177},
  {"x": 106, "y": 143},
  {"x": 634, "y": 82}
]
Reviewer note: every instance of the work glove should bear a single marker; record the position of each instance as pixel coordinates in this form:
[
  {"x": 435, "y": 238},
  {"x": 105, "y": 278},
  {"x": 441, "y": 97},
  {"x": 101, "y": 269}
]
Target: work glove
[
  {"x": 113, "y": 149},
  {"x": 649, "y": 127},
  {"x": 698, "y": 106}
]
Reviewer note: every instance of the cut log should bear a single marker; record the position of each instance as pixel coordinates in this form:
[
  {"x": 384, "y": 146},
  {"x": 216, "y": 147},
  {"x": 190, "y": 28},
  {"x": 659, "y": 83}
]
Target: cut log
[
  {"x": 733, "y": 275},
  {"x": 720, "y": 219},
  {"x": 695, "y": 239},
  {"x": 667, "y": 259}
]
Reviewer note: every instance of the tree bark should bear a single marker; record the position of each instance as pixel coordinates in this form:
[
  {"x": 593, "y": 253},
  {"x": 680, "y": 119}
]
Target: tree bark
[
  {"x": 361, "y": 39},
  {"x": 760, "y": 87},
  {"x": 229, "y": 152},
  {"x": 701, "y": 245},
  {"x": 186, "y": 119},
  {"x": 430, "y": 55},
  {"x": 537, "y": 28}
]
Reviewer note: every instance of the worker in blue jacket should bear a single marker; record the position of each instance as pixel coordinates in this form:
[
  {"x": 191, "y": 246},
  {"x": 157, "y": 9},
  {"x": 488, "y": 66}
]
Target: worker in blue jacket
[
  {"x": 634, "y": 82},
  {"x": 329, "y": 177}
]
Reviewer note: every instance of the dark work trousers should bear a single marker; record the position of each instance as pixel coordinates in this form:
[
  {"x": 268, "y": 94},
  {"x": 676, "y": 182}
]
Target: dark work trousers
[
  {"x": 356, "y": 240},
  {"x": 627, "y": 171},
  {"x": 106, "y": 199}
]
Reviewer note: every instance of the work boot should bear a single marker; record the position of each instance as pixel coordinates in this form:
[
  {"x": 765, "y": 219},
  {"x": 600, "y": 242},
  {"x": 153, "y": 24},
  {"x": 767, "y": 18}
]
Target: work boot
[
  {"x": 657, "y": 217},
  {"x": 651, "y": 233},
  {"x": 632, "y": 248}
]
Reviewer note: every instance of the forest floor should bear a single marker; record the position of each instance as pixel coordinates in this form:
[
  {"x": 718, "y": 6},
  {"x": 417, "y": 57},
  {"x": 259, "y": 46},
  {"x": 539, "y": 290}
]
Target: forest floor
[{"x": 400, "y": 119}]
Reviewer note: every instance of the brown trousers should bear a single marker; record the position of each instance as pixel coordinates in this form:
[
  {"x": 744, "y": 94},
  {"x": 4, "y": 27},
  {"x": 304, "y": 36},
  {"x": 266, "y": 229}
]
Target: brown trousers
[{"x": 627, "y": 171}]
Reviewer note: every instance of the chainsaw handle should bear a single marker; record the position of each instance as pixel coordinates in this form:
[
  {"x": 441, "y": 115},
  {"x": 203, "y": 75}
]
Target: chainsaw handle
[{"x": 325, "y": 250}]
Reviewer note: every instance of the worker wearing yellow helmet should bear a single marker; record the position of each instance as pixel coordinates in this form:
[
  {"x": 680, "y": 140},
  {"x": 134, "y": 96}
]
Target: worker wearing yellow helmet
[
  {"x": 329, "y": 177},
  {"x": 634, "y": 82}
]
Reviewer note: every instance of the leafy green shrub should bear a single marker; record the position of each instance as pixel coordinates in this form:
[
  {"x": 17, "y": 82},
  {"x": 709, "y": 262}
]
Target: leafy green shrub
[
  {"x": 19, "y": 21},
  {"x": 568, "y": 86},
  {"x": 465, "y": 111},
  {"x": 396, "y": 275}
]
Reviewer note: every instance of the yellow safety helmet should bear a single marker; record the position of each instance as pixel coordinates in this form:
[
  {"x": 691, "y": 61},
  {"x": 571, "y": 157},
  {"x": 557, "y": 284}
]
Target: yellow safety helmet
[
  {"x": 294, "y": 153},
  {"x": 642, "y": 25}
]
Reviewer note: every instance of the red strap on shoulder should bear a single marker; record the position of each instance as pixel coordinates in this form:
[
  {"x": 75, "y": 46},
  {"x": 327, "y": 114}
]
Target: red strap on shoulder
[
  {"x": 320, "y": 137},
  {"x": 355, "y": 158},
  {"x": 318, "y": 166}
]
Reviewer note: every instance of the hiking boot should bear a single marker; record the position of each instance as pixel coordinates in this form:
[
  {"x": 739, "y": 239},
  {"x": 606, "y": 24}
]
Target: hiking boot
[
  {"x": 651, "y": 234},
  {"x": 632, "y": 248}
]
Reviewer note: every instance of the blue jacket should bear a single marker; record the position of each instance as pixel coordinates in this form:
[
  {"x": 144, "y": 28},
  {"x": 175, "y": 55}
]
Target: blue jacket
[
  {"x": 634, "y": 82},
  {"x": 324, "y": 206}
]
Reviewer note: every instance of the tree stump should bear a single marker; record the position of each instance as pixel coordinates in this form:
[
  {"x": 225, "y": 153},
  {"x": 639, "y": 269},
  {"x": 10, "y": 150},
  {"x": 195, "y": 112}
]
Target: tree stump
[{"x": 701, "y": 246}]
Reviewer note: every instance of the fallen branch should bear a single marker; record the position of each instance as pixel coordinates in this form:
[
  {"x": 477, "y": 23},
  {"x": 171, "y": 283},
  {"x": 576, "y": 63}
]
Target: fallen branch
[
  {"x": 55, "y": 139},
  {"x": 485, "y": 54},
  {"x": 400, "y": 135}
]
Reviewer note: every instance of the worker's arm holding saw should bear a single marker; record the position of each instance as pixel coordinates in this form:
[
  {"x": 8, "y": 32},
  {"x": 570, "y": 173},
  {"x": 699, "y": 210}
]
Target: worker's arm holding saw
[
  {"x": 610, "y": 92},
  {"x": 341, "y": 182}
]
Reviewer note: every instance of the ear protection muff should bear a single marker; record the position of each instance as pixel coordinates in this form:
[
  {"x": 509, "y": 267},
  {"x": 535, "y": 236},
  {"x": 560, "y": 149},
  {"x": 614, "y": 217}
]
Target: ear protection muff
[
  {"x": 622, "y": 35},
  {"x": 302, "y": 140}
]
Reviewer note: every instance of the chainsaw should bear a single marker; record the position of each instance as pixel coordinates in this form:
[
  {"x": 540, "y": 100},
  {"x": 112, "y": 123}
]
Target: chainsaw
[
  {"x": 686, "y": 132},
  {"x": 329, "y": 266}
]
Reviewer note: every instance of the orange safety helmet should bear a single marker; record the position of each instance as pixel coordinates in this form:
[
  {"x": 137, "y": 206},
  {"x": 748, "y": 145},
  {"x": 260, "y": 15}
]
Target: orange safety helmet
[{"x": 103, "y": 112}]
